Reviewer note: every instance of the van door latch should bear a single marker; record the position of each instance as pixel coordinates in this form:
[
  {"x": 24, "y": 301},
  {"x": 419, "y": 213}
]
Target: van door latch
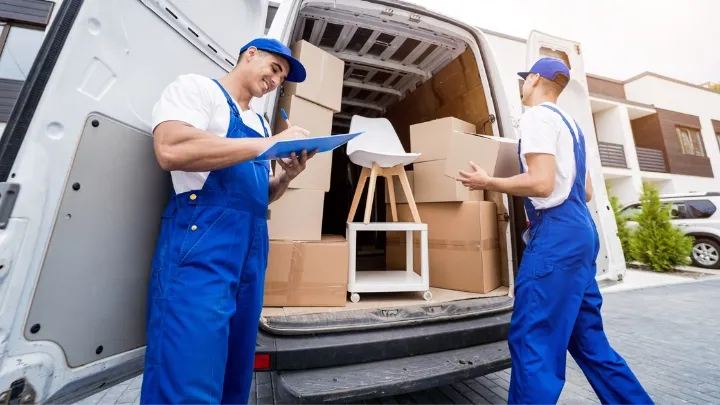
[
  {"x": 20, "y": 393},
  {"x": 8, "y": 195}
]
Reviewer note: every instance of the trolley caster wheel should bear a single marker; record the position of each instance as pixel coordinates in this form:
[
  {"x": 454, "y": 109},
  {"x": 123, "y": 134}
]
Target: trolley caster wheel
[
  {"x": 427, "y": 295},
  {"x": 355, "y": 298}
]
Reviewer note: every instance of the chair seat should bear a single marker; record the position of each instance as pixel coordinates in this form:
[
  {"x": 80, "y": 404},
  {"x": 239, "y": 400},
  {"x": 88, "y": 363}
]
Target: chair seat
[{"x": 366, "y": 159}]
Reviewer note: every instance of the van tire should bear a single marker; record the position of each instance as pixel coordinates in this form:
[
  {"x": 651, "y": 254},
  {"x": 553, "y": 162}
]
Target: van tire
[{"x": 706, "y": 254}]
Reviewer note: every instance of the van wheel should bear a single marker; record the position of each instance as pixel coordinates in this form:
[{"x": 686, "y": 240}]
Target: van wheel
[{"x": 706, "y": 254}]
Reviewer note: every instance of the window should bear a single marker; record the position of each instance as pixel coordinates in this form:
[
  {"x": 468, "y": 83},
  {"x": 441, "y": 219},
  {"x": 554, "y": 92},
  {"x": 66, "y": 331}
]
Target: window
[
  {"x": 631, "y": 212},
  {"x": 272, "y": 10},
  {"x": 701, "y": 208},
  {"x": 19, "y": 45},
  {"x": 678, "y": 210},
  {"x": 690, "y": 141}
]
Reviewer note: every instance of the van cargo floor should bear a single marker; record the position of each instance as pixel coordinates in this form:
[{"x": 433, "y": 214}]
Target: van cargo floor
[{"x": 385, "y": 310}]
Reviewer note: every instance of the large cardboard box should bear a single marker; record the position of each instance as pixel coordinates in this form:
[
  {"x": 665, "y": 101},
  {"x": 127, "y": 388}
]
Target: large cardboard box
[
  {"x": 463, "y": 245},
  {"x": 427, "y": 137},
  {"x": 317, "y": 120},
  {"x": 399, "y": 190},
  {"x": 307, "y": 274},
  {"x": 432, "y": 185},
  {"x": 441, "y": 140},
  {"x": 297, "y": 215},
  {"x": 324, "y": 81}
]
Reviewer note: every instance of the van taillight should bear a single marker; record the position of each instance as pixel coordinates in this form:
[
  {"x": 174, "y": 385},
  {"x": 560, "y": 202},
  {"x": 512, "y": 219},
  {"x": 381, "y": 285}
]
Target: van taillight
[{"x": 262, "y": 361}]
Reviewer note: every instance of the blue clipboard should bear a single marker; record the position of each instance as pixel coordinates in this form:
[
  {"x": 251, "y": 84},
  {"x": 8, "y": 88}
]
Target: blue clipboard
[{"x": 283, "y": 149}]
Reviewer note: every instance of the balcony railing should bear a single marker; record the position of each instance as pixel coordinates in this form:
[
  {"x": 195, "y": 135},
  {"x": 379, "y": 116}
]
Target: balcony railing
[
  {"x": 651, "y": 160},
  {"x": 612, "y": 155}
]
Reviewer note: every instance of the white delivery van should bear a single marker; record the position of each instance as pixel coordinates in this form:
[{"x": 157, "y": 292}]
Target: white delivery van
[{"x": 82, "y": 194}]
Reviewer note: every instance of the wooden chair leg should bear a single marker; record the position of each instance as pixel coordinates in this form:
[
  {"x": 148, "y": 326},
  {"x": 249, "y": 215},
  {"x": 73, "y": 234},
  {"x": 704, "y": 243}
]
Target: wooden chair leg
[
  {"x": 408, "y": 194},
  {"x": 371, "y": 192},
  {"x": 358, "y": 193},
  {"x": 391, "y": 190}
]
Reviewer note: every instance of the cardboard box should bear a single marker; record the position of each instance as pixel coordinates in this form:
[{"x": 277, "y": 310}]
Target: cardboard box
[
  {"x": 317, "y": 120},
  {"x": 324, "y": 81},
  {"x": 463, "y": 245},
  {"x": 297, "y": 215},
  {"x": 428, "y": 138},
  {"x": 307, "y": 274},
  {"x": 441, "y": 140},
  {"x": 449, "y": 83},
  {"x": 432, "y": 185},
  {"x": 399, "y": 191}
]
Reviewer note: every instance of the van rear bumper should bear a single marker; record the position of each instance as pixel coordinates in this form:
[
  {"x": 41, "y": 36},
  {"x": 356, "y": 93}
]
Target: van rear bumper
[{"x": 390, "y": 377}]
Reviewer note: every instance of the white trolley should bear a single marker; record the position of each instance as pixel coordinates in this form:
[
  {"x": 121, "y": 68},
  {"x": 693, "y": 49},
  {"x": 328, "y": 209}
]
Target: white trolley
[{"x": 388, "y": 280}]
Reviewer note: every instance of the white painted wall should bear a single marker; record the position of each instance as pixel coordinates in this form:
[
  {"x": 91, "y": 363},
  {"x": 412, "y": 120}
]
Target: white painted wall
[{"x": 609, "y": 125}]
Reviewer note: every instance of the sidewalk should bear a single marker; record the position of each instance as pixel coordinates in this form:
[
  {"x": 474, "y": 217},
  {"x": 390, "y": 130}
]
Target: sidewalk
[{"x": 641, "y": 279}]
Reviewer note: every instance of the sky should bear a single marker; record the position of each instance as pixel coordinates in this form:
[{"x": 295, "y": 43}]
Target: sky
[{"x": 619, "y": 38}]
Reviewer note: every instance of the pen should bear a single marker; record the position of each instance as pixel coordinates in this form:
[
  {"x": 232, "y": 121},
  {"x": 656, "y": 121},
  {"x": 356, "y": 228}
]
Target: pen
[{"x": 285, "y": 117}]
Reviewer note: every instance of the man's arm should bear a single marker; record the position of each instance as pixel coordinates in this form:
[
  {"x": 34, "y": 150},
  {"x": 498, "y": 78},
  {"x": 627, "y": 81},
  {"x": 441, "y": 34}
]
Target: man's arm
[
  {"x": 278, "y": 186},
  {"x": 588, "y": 188},
  {"x": 180, "y": 146},
  {"x": 539, "y": 181}
]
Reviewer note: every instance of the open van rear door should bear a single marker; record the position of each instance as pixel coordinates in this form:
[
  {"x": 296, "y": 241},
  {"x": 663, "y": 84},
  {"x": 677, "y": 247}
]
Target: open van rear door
[
  {"x": 575, "y": 100},
  {"x": 82, "y": 194}
]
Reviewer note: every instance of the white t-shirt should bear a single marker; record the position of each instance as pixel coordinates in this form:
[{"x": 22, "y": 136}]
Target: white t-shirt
[
  {"x": 200, "y": 102},
  {"x": 542, "y": 130}
]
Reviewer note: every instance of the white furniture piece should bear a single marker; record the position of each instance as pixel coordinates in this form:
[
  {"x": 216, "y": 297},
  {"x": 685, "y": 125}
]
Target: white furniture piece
[
  {"x": 389, "y": 280},
  {"x": 379, "y": 152}
]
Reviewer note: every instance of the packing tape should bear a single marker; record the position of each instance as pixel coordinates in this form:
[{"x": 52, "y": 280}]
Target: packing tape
[
  {"x": 297, "y": 264},
  {"x": 448, "y": 244}
]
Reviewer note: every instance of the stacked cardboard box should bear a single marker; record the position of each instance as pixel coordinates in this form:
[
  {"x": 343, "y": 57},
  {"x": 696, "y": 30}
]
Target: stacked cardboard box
[
  {"x": 306, "y": 268},
  {"x": 464, "y": 251},
  {"x": 310, "y": 105}
]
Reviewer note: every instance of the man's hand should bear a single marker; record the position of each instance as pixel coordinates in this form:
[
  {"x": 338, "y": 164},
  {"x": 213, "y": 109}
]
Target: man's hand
[
  {"x": 477, "y": 180},
  {"x": 293, "y": 166},
  {"x": 291, "y": 133}
]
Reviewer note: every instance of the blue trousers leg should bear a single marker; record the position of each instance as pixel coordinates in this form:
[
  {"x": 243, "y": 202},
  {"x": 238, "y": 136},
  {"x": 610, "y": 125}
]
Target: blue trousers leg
[
  {"x": 244, "y": 324},
  {"x": 605, "y": 369},
  {"x": 193, "y": 300},
  {"x": 547, "y": 301}
]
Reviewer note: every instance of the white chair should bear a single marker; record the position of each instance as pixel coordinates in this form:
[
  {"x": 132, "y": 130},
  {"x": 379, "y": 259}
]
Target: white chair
[{"x": 379, "y": 152}]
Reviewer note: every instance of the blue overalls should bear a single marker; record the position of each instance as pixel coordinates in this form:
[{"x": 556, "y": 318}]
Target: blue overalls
[
  {"x": 206, "y": 288},
  {"x": 557, "y": 305}
]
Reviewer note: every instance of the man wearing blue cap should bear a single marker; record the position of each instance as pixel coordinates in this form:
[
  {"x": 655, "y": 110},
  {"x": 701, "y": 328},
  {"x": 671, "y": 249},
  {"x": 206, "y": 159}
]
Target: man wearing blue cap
[
  {"x": 206, "y": 285},
  {"x": 557, "y": 300}
]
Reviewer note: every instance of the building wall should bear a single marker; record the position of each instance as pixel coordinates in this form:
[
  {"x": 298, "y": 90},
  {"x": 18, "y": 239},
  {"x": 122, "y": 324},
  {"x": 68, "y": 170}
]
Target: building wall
[{"x": 703, "y": 103}]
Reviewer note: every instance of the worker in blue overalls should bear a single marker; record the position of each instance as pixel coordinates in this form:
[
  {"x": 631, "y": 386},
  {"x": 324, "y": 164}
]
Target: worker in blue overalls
[
  {"x": 208, "y": 271},
  {"x": 557, "y": 300}
]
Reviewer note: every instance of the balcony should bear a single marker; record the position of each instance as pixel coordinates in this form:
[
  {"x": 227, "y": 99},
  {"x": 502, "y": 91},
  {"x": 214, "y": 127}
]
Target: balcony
[
  {"x": 612, "y": 155},
  {"x": 651, "y": 160}
]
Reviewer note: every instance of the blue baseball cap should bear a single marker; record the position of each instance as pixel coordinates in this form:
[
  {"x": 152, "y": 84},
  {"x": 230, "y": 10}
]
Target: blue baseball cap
[
  {"x": 297, "y": 72},
  {"x": 549, "y": 68}
]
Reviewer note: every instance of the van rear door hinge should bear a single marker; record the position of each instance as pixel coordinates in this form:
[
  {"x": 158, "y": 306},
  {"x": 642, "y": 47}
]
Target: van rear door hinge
[
  {"x": 20, "y": 393},
  {"x": 8, "y": 195}
]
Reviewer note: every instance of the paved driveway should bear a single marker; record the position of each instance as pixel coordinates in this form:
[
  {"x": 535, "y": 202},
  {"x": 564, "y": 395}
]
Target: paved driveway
[{"x": 668, "y": 335}]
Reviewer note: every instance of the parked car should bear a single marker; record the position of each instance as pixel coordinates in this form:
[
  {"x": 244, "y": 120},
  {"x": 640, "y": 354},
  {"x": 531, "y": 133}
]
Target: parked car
[{"x": 697, "y": 215}]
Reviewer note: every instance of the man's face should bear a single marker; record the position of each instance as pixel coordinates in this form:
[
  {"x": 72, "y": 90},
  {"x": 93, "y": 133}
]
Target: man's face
[
  {"x": 529, "y": 85},
  {"x": 266, "y": 71}
]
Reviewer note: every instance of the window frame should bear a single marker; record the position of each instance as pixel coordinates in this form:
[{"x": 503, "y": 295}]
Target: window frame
[
  {"x": 7, "y": 26},
  {"x": 696, "y": 146}
]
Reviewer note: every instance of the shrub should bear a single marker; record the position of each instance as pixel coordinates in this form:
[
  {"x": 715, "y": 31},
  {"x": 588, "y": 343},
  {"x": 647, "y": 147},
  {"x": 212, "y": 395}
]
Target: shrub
[
  {"x": 656, "y": 242},
  {"x": 623, "y": 231}
]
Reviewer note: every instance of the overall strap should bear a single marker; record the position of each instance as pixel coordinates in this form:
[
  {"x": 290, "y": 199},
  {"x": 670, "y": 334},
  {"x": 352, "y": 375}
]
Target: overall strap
[
  {"x": 233, "y": 107},
  {"x": 578, "y": 148},
  {"x": 262, "y": 123}
]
